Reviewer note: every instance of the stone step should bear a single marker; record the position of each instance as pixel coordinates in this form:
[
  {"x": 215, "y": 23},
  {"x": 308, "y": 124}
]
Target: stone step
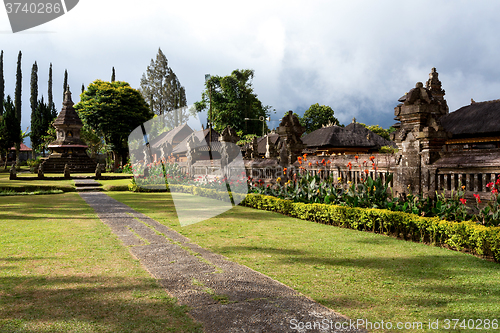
[
  {"x": 89, "y": 188},
  {"x": 85, "y": 185}
]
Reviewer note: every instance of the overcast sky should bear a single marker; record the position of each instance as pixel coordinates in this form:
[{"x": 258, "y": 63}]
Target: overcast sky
[{"x": 358, "y": 57}]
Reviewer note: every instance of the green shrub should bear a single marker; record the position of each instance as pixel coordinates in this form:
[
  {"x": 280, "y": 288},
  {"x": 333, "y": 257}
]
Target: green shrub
[{"x": 465, "y": 235}]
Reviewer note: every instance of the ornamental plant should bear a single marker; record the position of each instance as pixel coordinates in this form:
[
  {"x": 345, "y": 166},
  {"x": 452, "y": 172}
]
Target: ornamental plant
[{"x": 490, "y": 214}]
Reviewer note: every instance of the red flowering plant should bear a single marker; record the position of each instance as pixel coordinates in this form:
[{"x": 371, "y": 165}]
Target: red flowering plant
[
  {"x": 452, "y": 207},
  {"x": 490, "y": 214}
]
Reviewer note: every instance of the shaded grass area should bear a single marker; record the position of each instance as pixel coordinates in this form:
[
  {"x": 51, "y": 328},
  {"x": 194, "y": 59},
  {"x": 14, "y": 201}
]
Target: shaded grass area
[
  {"x": 62, "y": 270},
  {"x": 361, "y": 275},
  {"x": 20, "y": 185}
]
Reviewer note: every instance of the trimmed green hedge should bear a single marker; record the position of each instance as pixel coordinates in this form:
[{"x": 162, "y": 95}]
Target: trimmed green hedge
[
  {"x": 467, "y": 235},
  {"x": 194, "y": 190}
]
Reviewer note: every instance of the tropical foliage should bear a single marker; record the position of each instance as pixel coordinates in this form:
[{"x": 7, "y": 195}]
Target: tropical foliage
[
  {"x": 316, "y": 116},
  {"x": 111, "y": 110},
  {"x": 230, "y": 99}
]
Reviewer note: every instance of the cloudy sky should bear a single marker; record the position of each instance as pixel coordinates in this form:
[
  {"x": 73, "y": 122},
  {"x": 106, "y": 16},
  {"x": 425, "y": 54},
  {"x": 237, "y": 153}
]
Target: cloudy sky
[{"x": 358, "y": 57}]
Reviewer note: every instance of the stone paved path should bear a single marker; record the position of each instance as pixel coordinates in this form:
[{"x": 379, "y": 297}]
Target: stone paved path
[{"x": 223, "y": 296}]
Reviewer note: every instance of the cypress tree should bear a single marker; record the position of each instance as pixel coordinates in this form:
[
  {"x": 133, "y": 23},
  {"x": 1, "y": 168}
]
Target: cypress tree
[
  {"x": 50, "y": 103},
  {"x": 34, "y": 88},
  {"x": 83, "y": 88},
  {"x": 17, "y": 105},
  {"x": 113, "y": 75},
  {"x": 10, "y": 128},
  {"x": 47, "y": 117},
  {"x": 19, "y": 79},
  {"x": 36, "y": 116},
  {"x": 65, "y": 84},
  {"x": 2, "y": 84}
]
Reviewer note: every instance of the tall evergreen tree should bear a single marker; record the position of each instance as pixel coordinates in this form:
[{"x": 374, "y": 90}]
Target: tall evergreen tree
[
  {"x": 163, "y": 91},
  {"x": 65, "y": 84},
  {"x": 19, "y": 79},
  {"x": 83, "y": 88},
  {"x": 17, "y": 104},
  {"x": 34, "y": 88},
  {"x": 2, "y": 84},
  {"x": 113, "y": 75},
  {"x": 10, "y": 128},
  {"x": 40, "y": 125},
  {"x": 36, "y": 117},
  {"x": 50, "y": 102}
]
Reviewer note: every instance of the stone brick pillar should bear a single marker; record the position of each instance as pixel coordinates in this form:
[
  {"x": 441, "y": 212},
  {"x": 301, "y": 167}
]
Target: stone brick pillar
[{"x": 420, "y": 140}]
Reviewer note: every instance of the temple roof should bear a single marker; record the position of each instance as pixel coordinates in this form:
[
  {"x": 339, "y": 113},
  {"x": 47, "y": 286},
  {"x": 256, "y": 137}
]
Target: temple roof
[
  {"x": 200, "y": 135},
  {"x": 68, "y": 115},
  {"x": 353, "y": 135},
  {"x": 478, "y": 118},
  {"x": 262, "y": 143},
  {"x": 170, "y": 135}
]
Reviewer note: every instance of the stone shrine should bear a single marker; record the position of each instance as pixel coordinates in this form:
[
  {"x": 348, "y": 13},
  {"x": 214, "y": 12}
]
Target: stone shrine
[{"x": 68, "y": 149}]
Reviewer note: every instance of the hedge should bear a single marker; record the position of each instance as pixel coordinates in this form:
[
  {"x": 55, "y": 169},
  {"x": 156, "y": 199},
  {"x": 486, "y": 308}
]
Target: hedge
[
  {"x": 190, "y": 189},
  {"x": 467, "y": 235}
]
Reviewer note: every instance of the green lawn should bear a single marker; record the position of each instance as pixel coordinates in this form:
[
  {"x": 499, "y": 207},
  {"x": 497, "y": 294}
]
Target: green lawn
[
  {"x": 359, "y": 274},
  {"x": 22, "y": 185},
  {"x": 62, "y": 270}
]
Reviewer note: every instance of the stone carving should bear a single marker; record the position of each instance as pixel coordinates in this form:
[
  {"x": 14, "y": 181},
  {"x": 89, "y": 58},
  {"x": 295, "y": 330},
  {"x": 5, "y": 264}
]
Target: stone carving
[
  {"x": 255, "y": 148},
  {"x": 418, "y": 95},
  {"x": 66, "y": 171},
  {"x": 13, "y": 175},
  {"x": 290, "y": 132},
  {"x": 270, "y": 149},
  {"x": 40, "y": 171},
  {"x": 98, "y": 171},
  {"x": 229, "y": 135}
]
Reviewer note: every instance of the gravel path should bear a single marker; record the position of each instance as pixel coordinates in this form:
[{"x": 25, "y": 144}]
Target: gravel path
[{"x": 222, "y": 295}]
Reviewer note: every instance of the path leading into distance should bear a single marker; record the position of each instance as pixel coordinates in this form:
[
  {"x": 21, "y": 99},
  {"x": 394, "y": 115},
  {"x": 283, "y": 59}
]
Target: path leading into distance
[{"x": 222, "y": 295}]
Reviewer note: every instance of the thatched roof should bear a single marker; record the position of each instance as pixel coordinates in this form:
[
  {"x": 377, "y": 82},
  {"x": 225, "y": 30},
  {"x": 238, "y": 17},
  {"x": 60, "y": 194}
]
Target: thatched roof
[
  {"x": 371, "y": 136},
  {"x": 179, "y": 133},
  {"x": 481, "y": 118},
  {"x": 202, "y": 136},
  {"x": 351, "y": 136},
  {"x": 262, "y": 143}
]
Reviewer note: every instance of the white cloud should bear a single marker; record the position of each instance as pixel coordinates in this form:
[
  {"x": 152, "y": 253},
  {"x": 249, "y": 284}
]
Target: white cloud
[{"x": 358, "y": 57}]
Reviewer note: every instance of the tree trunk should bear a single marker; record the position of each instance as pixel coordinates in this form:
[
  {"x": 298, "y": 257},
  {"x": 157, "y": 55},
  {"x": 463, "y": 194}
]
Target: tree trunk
[
  {"x": 116, "y": 163},
  {"x": 18, "y": 152}
]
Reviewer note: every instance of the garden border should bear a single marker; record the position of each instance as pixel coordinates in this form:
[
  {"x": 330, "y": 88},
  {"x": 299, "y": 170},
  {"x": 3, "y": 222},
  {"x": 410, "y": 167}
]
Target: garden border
[{"x": 460, "y": 236}]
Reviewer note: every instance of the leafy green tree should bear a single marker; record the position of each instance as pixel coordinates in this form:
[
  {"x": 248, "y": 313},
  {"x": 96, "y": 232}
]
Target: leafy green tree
[
  {"x": 10, "y": 129},
  {"x": 112, "y": 110},
  {"x": 316, "y": 116},
  {"x": 163, "y": 91},
  {"x": 40, "y": 126},
  {"x": 2, "y": 84},
  {"x": 49, "y": 137},
  {"x": 230, "y": 99},
  {"x": 377, "y": 129}
]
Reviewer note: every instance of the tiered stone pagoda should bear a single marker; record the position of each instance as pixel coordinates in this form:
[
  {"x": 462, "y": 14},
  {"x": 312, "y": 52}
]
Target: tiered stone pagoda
[{"x": 68, "y": 148}]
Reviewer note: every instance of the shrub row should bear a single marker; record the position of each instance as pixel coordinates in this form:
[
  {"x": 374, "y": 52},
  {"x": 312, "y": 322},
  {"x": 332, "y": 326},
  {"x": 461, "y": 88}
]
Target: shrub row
[
  {"x": 190, "y": 189},
  {"x": 461, "y": 236}
]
